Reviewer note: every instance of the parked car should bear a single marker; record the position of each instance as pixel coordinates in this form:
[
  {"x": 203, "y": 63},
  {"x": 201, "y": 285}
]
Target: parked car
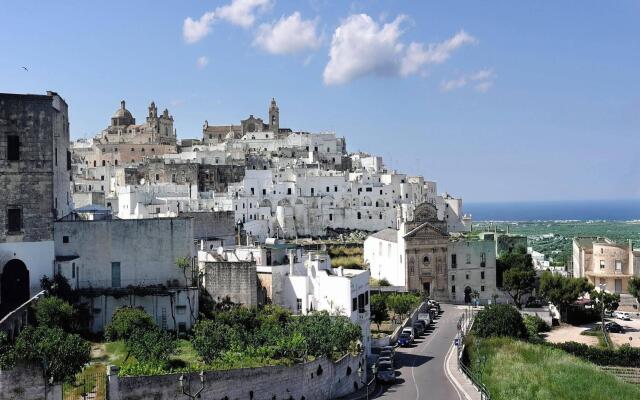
[
  {"x": 386, "y": 373},
  {"x": 426, "y": 318},
  {"x": 614, "y": 327},
  {"x": 404, "y": 339},
  {"x": 387, "y": 354},
  {"x": 418, "y": 328},
  {"x": 423, "y": 325},
  {"x": 410, "y": 331},
  {"x": 623, "y": 316}
]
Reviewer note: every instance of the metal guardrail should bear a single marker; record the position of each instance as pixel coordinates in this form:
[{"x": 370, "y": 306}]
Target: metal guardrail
[{"x": 465, "y": 323}]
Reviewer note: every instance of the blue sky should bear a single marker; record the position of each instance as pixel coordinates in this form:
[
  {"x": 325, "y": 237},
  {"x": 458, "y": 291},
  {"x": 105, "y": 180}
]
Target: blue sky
[{"x": 495, "y": 100}]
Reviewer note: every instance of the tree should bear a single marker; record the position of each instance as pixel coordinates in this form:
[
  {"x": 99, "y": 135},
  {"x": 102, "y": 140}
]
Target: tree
[
  {"x": 518, "y": 282},
  {"x": 634, "y": 287},
  {"x": 61, "y": 355},
  {"x": 500, "y": 320},
  {"x": 152, "y": 346},
  {"x": 379, "y": 311},
  {"x": 402, "y": 303},
  {"x": 211, "y": 338},
  {"x": 54, "y": 312},
  {"x": 563, "y": 291},
  {"x": 59, "y": 287},
  {"x": 126, "y": 321}
]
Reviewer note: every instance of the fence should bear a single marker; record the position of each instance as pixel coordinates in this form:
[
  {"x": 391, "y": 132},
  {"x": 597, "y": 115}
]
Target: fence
[
  {"x": 627, "y": 374},
  {"x": 89, "y": 385},
  {"x": 465, "y": 323}
]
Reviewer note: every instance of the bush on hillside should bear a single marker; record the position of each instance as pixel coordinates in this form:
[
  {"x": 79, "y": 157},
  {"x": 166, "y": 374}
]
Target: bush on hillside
[
  {"x": 500, "y": 320},
  {"x": 535, "y": 325},
  {"x": 625, "y": 356}
]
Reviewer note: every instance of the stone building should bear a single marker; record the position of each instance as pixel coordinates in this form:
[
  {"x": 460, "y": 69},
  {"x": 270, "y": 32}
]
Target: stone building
[
  {"x": 472, "y": 270},
  {"x": 35, "y": 177},
  {"x": 606, "y": 264},
  {"x": 413, "y": 257}
]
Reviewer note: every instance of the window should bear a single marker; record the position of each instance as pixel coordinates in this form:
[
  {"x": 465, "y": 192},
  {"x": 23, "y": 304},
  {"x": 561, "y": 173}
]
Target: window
[
  {"x": 330, "y": 217},
  {"x": 359, "y": 215},
  {"x": 157, "y": 177},
  {"x": 65, "y": 239},
  {"x": 602, "y": 265},
  {"x": 368, "y": 189},
  {"x": 481, "y": 274},
  {"x": 264, "y": 192},
  {"x": 426, "y": 260},
  {"x": 313, "y": 191},
  {"x": 453, "y": 288},
  {"x": 14, "y": 220},
  {"x": 299, "y": 305},
  {"x": 253, "y": 191},
  {"x": 116, "y": 162},
  {"x": 482, "y": 288},
  {"x": 104, "y": 163},
  {"x": 366, "y": 298},
  {"x": 361, "y": 303},
  {"x": 13, "y": 148},
  {"x": 618, "y": 265},
  {"x": 102, "y": 177},
  {"x": 453, "y": 278},
  {"x": 468, "y": 258},
  {"x": 68, "y": 160},
  {"x": 335, "y": 188},
  {"x": 354, "y": 304},
  {"x": 73, "y": 270},
  {"x": 289, "y": 191},
  {"x": 466, "y": 276},
  {"x": 115, "y": 274},
  {"x": 181, "y": 310},
  {"x": 454, "y": 261}
]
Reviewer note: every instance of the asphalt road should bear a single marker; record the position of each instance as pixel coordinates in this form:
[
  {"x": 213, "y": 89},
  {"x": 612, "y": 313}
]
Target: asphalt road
[{"x": 420, "y": 367}]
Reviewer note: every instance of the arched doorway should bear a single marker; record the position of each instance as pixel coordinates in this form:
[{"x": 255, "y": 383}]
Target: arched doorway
[
  {"x": 467, "y": 295},
  {"x": 14, "y": 285}
]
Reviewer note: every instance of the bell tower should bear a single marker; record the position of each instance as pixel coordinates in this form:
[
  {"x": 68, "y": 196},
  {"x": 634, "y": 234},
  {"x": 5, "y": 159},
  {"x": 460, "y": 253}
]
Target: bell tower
[{"x": 274, "y": 116}]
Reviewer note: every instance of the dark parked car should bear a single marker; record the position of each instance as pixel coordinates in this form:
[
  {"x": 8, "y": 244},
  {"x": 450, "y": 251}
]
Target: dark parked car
[
  {"x": 404, "y": 339},
  {"x": 386, "y": 373},
  {"x": 387, "y": 354},
  {"x": 423, "y": 324},
  {"x": 613, "y": 327},
  {"x": 418, "y": 328}
]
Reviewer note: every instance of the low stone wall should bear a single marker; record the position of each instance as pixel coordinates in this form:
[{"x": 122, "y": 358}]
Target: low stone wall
[
  {"x": 26, "y": 383},
  {"x": 315, "y": 380}
]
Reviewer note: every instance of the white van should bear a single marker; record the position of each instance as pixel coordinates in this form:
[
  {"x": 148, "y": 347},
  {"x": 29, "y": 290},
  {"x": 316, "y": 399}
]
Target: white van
[
  {"x": 410, "y": 331},
  {"x": 623, "y": 316}
]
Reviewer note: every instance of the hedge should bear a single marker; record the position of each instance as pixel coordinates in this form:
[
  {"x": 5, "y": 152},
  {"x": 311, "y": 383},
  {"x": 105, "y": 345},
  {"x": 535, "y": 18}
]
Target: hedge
[{"x": 624, "y": 356}]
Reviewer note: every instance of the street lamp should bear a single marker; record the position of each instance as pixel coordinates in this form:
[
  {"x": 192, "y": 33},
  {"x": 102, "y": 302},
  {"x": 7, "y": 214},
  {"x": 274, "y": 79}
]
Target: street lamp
[{"x": 188, "y": 394}]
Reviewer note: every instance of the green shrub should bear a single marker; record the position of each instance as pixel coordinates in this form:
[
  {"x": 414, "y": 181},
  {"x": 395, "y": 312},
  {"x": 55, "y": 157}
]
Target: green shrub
[
  {"x": 211, "y": 338},
  {"x": 54, "y": 312},
  {"x": 500, "y": 320},
  {"x": 624, "y": 356},
  {"x": 126, "y": 321},
  {"x": 151, "y": 346},
  {"x": 535, "y": 325}
]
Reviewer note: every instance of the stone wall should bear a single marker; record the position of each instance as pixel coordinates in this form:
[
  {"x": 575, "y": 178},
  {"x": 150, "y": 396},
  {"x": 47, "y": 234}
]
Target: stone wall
[
  {"x": 316, "y": 380},
  {"x": 237, "y": 279},
  {"x": 157, "y": 171},
  {"x": 213, "y": 225},
  {"x": 218, "y": 177},
  {"x": 26, "y": 383}
]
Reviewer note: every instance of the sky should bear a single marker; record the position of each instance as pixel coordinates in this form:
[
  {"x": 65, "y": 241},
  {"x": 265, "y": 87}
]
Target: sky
[{"x": 496, "y": 101}]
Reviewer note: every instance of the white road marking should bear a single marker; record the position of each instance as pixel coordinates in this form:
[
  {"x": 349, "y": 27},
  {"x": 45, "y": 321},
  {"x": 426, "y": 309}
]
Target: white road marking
[{"x": 447, "y": 373}]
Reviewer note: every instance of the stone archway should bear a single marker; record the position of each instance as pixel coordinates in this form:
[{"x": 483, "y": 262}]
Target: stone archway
[
  {"x": 14, "y": 285},
  {"x": 467, "y": 295}
]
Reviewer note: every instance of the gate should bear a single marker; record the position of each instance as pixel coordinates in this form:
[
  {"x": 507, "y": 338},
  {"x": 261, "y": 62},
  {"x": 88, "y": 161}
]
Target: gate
[{"x": 89, "y": 385}]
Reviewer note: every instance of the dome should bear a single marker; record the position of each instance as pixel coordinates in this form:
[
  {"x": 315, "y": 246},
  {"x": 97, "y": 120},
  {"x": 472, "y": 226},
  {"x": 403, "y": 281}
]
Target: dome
[{"x": 122, "y": 112}]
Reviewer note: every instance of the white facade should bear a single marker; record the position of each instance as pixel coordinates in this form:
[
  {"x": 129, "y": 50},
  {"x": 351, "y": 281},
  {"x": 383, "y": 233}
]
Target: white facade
[{"x": 471, "y": 269}]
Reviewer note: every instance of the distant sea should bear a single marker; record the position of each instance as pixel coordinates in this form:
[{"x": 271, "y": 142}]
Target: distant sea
[{"x": 591, "y": 210}]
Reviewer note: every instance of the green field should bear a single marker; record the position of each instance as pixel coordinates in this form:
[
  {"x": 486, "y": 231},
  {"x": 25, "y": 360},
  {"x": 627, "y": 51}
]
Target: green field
[
  {"x": 519, "y": 370},
  {"x": 559, "y": 246}
]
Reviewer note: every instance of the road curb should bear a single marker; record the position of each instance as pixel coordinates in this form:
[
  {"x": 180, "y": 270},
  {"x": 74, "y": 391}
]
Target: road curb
[{"x": 450, "y": 375}]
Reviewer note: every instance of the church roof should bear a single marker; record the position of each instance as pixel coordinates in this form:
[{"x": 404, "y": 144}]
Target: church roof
[{"x": 122, "y": 112}]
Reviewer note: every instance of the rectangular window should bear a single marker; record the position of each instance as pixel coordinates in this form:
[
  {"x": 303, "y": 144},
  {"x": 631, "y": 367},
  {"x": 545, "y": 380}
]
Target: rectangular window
[
  {"x": 327, "y": 189},
  {"x": 453, "y": 288},
  {"x": 354, "y": 304},
  {"x": 453, "y": 278},
  {"x": 299, "y": 304},
  {"x": 330, "y": 217},
  {"x": 252, "y": 191},
  {"x": 65, "y": 239},
  {"x": 289, "y": 191},
  {"x": 482, "y": 288},
  {"x": 69, "y": 161},
  {"x": 368, "y": 189},
  {"x": 14, "y": 220},
  {"x": 181, "y": 310},
  {"x": 73, "y": 270},
  {"x": 115, "y": 274},
  {"x": 264, "y": 192},
  {"x": 13, "y": 148},
  {"x": 468, "y": 258},
  {"x": 366, "y": 298},
  {"x": 335, "y": 188},
  {"x": 454, "y": 261},
  {"x": 361, "y": 303},
  {"x": 618, "y": 265},
  {"x": 602, "y": 264},
  {"x": 481, "y": 274}
]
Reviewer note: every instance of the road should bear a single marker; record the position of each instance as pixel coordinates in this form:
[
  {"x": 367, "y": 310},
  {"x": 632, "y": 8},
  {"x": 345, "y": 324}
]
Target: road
[{"x": 420, "y": 373}]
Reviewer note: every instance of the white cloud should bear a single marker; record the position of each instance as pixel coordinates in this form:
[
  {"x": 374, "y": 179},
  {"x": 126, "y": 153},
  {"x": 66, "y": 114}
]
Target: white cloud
[
  {"x": 242, "y": 12},
  {"x": 202, "y": 62},
  {"x": 361, "y": 46},
  {"x": 193, "y": 31},
  {"x": 238, "y": 12},
  {"x": 288, "y": 35},
  {"x": 482, "y": 80}
]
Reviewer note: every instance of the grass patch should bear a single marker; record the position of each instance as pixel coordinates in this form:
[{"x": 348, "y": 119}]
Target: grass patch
[
  {"x": 519, "y": 370},
  {"x": 89, "y": 380},
  {"x": 596, "y": 332},
  {"x": 349, "y": 262}
]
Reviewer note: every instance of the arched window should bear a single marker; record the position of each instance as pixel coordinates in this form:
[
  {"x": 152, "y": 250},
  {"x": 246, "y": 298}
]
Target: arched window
[{"x": 359, "y": 215}]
